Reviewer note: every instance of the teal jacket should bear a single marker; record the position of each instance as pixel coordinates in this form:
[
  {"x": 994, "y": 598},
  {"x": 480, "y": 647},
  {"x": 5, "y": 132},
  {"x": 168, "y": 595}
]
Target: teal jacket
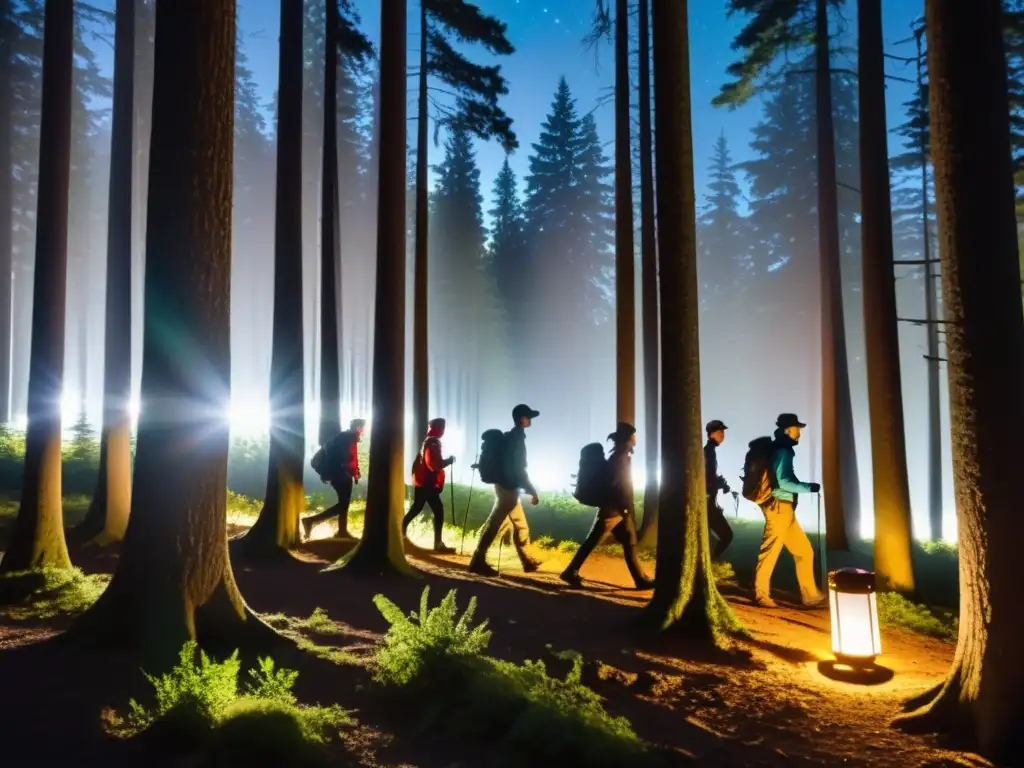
[{"x": 787, "y": 487}]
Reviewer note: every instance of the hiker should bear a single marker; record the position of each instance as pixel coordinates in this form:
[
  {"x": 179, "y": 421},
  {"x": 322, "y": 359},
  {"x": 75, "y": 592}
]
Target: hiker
[
  {"x": 612, "y": 493},
  {"x": 428, "y": 475},
  {"x": 337, "y": 463},
  {"x": 509, "y": 478},
  {"x": 781, "y": 528},
  {"x": 714, "y": 483}
]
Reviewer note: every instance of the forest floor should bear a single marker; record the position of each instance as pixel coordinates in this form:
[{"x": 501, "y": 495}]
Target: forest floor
[{"x": 774, "y": 701}]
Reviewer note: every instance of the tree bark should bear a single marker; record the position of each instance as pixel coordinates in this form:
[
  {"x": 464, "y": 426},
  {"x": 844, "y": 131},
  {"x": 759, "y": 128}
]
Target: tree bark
[
  {"x": 685, "y": 593},
  {"x": 981, "y": 699},
  {"x": 649, "y": 288},
  {"x": 625, "y": 286},
  {"x": 421, "y": 310},
  {"x": 111, "y": 502},
  {"x": 174, "y": 578},
  {"x": 37, "y": 540},
  {"x": 381, "y": 547},
  {"x": 840, "y": 483},
  {"x": 893, "y": 564},
  {"x": 7, "y": 33},
  {"x": 330, "y": 242},
  {"x": 276, "y": 530}
]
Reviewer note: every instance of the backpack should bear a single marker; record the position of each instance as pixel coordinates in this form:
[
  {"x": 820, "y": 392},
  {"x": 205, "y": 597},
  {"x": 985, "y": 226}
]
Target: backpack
[
  {"x": 332, "y": 455},
  {"x": 491, "y": 461},
  {"x": 593, "y": 481},
  {"x": 418, "y": 462},
  {"x": 758, "y": 477}
]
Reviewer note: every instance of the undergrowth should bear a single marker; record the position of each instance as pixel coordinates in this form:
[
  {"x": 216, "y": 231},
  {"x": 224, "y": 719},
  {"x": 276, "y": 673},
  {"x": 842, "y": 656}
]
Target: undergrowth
[
  {"x": 318, "y": 623},
  {"x": 200, "y": 706},
  {"x": 436, "y": 658},
  {"x": 894, "y": 610},
  {"x": 48, "y": 592}
]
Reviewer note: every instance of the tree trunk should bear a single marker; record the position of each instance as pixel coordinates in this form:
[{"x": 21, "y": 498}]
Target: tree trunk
[
  {"x": 625, "y": 287},
  {"x": 685, "y": 591},
  {"x": 330, "y": 242},
  {"x": 421, "y": 311},
  {"x": 7, "y": 33},
  {"x": 174, "y": 579},
  {"x": 108, "y": 510},
  {"x": 840, "y": 483},
  {"x": 38, "y": 537},
  {"x": 381, "y": 547},
  {"x": 649, "y": 289},
  {"x": 981, "y": 699},
  {"x": 277, "y": 527},
  {"x": 893, "y": 565}
]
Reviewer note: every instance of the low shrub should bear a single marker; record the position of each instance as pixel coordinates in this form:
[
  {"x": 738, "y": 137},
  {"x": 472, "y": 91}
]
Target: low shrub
[
  {"x": 894, "y": 610},
  {"x": 47, "y": 592},
  {"x": 436, "y": 658}
]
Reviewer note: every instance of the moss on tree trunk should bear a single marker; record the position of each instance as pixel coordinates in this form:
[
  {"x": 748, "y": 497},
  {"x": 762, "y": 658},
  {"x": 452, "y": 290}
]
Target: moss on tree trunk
[
  {"x": 981, "y": 700},
  {"x": 893, "y": 563},
  {"x": 276, "y": 530},
  {"x": 174, "y": 579},
  {"x": 684, "y": 592},
  {"x": 381, "y": 547},
  {"x": 38, "y": 537}
]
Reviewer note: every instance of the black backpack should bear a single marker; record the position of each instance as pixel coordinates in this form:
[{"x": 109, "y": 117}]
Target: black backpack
[
  {"x": 758, "y": 476},
  {"x": 593, "y": 481},
  {"x": 491, "y": 461},
  {"x": 332, "y": 456}
]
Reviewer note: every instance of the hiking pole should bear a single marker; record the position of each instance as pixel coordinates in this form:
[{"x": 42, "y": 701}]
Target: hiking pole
[
  {"x": 736, "y": 504},
  {"x": 451, "y": 492},
  {"x": 821, "y": 551},
  {"x": 465, "y": 520}
]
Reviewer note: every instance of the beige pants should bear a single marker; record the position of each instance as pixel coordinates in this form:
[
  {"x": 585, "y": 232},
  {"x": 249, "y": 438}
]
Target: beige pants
[
  {"x": 507, "y": 510},
  {"x": 781, "y": 529}
]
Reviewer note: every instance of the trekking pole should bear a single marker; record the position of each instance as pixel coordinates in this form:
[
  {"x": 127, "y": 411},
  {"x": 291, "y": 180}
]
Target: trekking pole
[
  {"x": 469, "y": 500},
  {"x": 821, "y": 550},
  {"x": 451, "y": 493},
  {"x": 736, "y": 504}
]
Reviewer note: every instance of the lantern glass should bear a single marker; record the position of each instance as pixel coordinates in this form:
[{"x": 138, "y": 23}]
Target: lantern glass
[{"x": 854, "y": 615}]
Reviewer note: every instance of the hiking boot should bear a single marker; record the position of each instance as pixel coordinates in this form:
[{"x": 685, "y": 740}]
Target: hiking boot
[
  {"x": 764, "y": 601},
  {"x": 572, "y": 578},
  {"x": 443, "y": 549},
  {"x": 531, "y": 566},
  {"x": 645, "y": 584},
  {"x": 307, "y": 529},
  {"x": 821, "y": 601},
  {"x": 483, "y": 569}
]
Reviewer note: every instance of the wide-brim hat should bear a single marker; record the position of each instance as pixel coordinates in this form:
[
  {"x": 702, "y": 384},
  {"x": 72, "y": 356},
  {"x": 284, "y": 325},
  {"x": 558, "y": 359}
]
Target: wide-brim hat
[{"x": 787, "y": 420}]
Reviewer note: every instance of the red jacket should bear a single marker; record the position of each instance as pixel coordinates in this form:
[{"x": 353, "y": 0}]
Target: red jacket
[
  {"x": 430, "y": 467},
  {"x": 353, "y": 457}
]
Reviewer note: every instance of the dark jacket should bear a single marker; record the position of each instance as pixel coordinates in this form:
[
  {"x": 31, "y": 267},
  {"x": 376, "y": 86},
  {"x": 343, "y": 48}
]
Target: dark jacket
[
  {"x": 713, "y": 481},
  {"x": 514, "y": 451},
  {"x": 621, "y": 497},
  {"x": 341, "y": 456}
]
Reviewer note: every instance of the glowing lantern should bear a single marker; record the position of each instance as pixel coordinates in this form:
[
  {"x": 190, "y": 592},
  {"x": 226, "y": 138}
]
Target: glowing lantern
[{"x": 854, "y": 613}]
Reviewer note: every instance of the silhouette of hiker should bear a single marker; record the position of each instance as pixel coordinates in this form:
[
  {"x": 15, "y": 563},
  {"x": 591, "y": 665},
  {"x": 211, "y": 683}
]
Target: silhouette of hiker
[
  {"x": 428, "y": 478},
  {"x": 337, "y": 463},
  {"x": 714, "y": 483},
  {"x": 616, "y": 515},
  {"x": 507, "y": 506}
]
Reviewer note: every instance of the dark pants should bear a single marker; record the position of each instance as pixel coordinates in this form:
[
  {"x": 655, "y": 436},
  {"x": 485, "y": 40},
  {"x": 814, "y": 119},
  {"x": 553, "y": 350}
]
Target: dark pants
[
  {"x": 720, "y": 527},
  {"x": 623, "y": 528},
  {"x": 428, "y": 497},
  {"x": 343, "y": 487}
]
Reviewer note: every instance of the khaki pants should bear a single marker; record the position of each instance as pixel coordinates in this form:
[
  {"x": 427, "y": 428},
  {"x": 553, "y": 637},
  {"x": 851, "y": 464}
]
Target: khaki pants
[
  {"x": 507, "y": 509},
  {"x": 781, "y": 529}
]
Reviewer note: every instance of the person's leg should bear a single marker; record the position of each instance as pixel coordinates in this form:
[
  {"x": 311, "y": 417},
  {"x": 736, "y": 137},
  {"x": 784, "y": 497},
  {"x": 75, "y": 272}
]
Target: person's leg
[
  {"x": 778, "y": 516},
  {"x": 419, "y": 498},
  {"x": 521, "y": 536},
  {"x": 597, "y": 532},
  {"x": 503, "y": 504},
  {"x": 437, "y": 507},
  {"x": 800, "y": 548},
  {"x": 344, "y": 488},
  {"x": 720, "y": 527},
  {"x": 335, "y": 510},
  {"x": 625, "y": 532}
]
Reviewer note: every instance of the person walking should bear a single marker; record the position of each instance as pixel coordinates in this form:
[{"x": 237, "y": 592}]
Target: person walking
[
  {"x": 507, "y": 506},
  {"x": 714, "y": 483},
  {"x": 428, "y": 477},
  {"x": 617, "y": 514},
  {"x": 337, "y": 463},
  {"x": 781, "y": 528}
]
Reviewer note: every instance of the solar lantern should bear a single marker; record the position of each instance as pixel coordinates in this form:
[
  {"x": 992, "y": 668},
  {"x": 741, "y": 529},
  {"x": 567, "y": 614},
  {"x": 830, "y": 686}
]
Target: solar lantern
[{"x": 853, "y": 609}]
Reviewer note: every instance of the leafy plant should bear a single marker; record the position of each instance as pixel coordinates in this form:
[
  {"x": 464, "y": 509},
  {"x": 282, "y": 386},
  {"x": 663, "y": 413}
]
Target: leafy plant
[
  {"x": 894, "y": 610},
  {"x": 49, "y": 592}
]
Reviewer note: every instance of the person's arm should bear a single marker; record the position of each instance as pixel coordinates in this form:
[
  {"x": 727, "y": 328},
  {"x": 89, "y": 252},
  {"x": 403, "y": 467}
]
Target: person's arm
[
  {"x": 784, "y": 476},
  {"x": 432, "y": 457},
  {"x": 517, "y": 466}
]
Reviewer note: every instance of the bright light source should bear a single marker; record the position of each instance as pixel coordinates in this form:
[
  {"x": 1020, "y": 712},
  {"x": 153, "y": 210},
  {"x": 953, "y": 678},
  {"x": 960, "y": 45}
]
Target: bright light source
[
  {"x": 249, "y": 418},
  {"x": 70, "y": 408},
  {"x": 854, "y": 614},
  {"x": 133, "y": 411}
]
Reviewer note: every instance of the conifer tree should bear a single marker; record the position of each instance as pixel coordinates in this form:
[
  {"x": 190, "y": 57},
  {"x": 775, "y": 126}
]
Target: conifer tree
[
  {"x": 508, "y": 239},
  {"x": 725, "y": 259}
]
